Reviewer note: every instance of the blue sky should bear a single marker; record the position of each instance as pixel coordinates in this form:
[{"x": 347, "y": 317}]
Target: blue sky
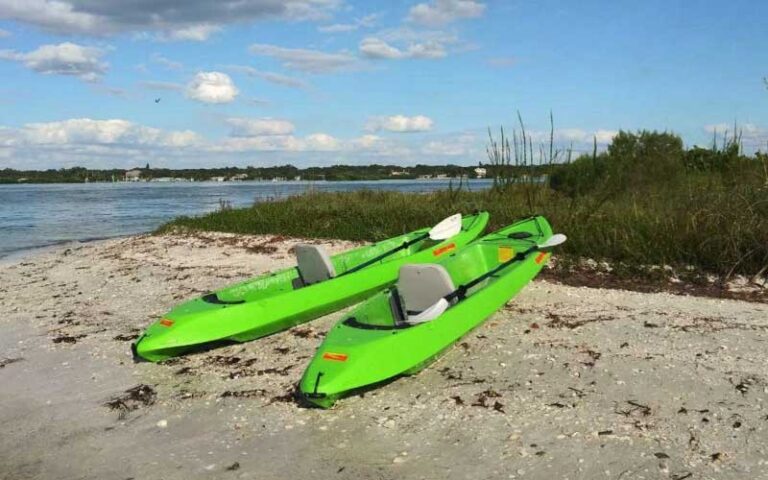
[{"x": 318, "y": 82}]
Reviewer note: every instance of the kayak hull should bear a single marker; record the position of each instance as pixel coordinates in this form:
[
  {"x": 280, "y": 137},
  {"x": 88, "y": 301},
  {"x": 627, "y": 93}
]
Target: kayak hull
[
  {"x": 363, "y": 350},
  {"x": 270, "y": 303}
]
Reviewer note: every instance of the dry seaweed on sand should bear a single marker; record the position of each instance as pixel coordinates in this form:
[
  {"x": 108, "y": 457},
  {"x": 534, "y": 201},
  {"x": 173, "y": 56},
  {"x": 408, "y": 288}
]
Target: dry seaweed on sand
[
  {"x": 132, "y": 399},
  {"x": 7, "y": 361},
  {"x": 64, "y": 338}
]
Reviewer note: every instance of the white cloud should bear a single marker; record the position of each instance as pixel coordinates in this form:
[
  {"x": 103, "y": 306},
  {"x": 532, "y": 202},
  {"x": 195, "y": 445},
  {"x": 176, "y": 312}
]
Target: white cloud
[
  {"x": 4, "y": 33},
  {"x": 108, "y": 90},
  {"x": 276, "y": 78},
  {"x": 62, "y": 59},
  {"x": 86, "y": 131},
  {"x": 54, "y": 15},
  {"x": 468, "y": 144},
  {"x": 338, "y": 28},
  {"x": 400, "y": 124},
  {"x": 95, "y": 143},
  {"x": 8, "y": 137},
  {"x": 444, "y": 149},
  {"x": 441, "y": 12},
  {"x": 429, "y": 49},
  {"x": 193, "y": 33},
  {"x": 311, "y": 61},
  {"x": 376, "y": 146},
  {"x": 416, "y": 35},
  {"x": 402, "y": 43},
  {"x": 194, "y": 20},
  {"x": 321, "y": 142},
  {"x": 272, "y": 143},
  {"x": 317, "y": 142},
  {"x": 753, "y": 137},
  {"x": 367, "y": 21},
  {"x": 153, "y": 85},
  {"x": 120, "y": 143},
  {"x": 576, "y": 136},
  {"x": 273, "y": 135},
  {"x": 166, "y": 62},
  {"x": 212, "y": 87},
  {"x": 257, "y": 127},
  {"x": 368, "y": 142},
  {"x": 604, "y": 137},
  {"x": 375, "y": 48}
]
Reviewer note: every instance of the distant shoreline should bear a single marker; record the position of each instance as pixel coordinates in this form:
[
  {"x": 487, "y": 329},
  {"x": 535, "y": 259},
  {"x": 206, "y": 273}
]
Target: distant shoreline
[
  {"x": 266, "y": 174},
  {"x": 278, "y": 182}
]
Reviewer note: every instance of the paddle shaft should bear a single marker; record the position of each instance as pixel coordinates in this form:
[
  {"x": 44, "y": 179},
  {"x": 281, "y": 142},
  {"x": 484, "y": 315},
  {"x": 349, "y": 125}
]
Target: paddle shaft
[
  {"x": 462, "y": 290},
  {"x": 386, "y": 254}
]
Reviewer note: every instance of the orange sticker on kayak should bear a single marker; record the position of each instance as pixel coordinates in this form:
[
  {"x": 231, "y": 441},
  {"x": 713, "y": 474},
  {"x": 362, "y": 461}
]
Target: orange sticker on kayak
[
  {"x": 336, "y": 357},
  {"x": 166, "y": 322},
  {"x": 506, "y": 254},
  {"x": 541, "y": 257},
  {"x": 439, "y": 251}
]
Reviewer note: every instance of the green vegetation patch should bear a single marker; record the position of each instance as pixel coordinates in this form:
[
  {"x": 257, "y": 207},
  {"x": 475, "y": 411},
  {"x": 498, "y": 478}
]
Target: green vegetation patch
[{"x": 645, "y": 201}]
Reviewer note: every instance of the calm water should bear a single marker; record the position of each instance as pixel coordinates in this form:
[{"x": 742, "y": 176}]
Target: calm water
[{"x": 33, "y": 216}]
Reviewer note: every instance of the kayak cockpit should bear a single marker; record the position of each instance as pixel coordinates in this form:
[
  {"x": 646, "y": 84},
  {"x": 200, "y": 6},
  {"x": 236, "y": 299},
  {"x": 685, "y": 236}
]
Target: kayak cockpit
[
  {"x": 425, "y": 291},
  {"x": 214, "y": 299},
  {"x": 420, "y": 286},
  {"x": 314, "y": 265}
]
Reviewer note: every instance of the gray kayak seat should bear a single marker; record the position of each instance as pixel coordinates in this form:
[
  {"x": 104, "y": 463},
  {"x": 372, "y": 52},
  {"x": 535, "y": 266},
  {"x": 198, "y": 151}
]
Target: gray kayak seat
[
  {"x": 421, "y": 286},
  {"x": 314, "y": 264}
]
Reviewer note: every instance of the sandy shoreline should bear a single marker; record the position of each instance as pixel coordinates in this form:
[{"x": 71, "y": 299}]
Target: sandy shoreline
[{"x": 565, "y": 382}]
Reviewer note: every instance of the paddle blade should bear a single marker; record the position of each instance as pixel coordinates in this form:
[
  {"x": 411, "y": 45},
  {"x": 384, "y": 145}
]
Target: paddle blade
[
  {"x": 447, "y": 228},
  {"x": 430, "y": 313},
  {"x": 553, "y": 241}
]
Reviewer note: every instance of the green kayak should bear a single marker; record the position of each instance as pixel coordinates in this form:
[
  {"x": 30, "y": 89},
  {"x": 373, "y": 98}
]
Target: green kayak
[
  {"x": 401, "y": 330},
  {"x": 318, "y": 285}
]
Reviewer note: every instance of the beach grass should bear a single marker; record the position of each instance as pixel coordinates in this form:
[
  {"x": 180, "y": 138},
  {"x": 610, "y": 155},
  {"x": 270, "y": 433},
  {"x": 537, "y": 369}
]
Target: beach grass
[
  {"x": 644, "y": 202},
  {"x": 710, "y": 227}
]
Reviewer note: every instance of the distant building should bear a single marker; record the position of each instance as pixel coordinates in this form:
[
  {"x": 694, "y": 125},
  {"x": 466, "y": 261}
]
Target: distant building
[
  {"x": 397, "y": 173},
  {"x": 218, "y": 179},
  {"x": 239, "y": 177},
  {"x": 133, "y": 175},
  {"x": 480, "y": 172},
  {"x": 441, "y": 176},
  {"x": 297, "y": 178}
]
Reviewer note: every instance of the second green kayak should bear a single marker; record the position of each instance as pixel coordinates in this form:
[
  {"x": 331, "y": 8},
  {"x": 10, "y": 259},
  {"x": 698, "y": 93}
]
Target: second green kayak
[
  {"x": 321, "y": 284},
  {"x": 401, "y": 330}
]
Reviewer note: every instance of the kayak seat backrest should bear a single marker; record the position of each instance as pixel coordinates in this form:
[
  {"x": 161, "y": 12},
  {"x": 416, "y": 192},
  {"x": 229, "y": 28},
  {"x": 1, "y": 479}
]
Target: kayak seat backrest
[
  {"x": 422, "y": 285},
  {"x": 314, "y": 264}
]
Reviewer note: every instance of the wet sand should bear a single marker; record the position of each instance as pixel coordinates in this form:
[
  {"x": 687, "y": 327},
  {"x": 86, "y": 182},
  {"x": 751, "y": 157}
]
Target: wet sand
[{"x": 564, "y": 383}]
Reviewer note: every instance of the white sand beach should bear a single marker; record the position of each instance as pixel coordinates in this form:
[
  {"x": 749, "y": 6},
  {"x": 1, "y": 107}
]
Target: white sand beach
[{"x": 563, "y": 383}]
